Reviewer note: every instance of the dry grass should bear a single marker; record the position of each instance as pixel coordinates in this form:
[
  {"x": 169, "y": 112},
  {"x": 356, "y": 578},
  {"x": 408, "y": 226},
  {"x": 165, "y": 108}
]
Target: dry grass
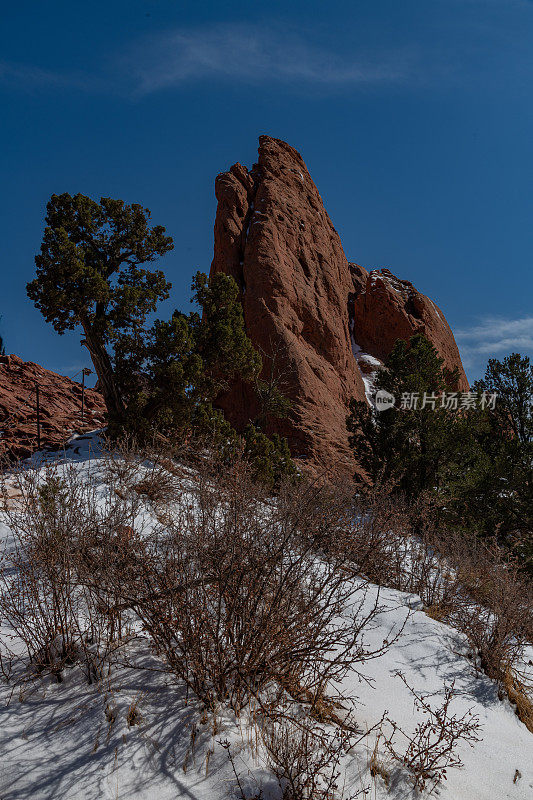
[
  {"x": 439, "y": 612},
  {"x": 520, "y": 695},
  {"x": 133, "y": 714},
  {"x": 376, "y": 765}
]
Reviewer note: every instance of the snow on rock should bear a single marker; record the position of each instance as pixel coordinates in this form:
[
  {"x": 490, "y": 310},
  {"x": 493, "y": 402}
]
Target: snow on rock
[{"x": 368, "y": 365}]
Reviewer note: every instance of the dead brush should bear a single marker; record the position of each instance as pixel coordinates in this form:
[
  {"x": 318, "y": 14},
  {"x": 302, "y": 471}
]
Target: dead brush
[
  {"x": 440, "y": 611},
  {"x": 161, "y": 479},
  {"x": 52, "y": 587},
  {"x": 158, "y": 487},
  {"x": 432, "y": 749},
  {"x": 376, "y": 764},
  {"x": 234, "y": 596},
  {"x": 307, "y": 759},
  {"x": 133, "y": 714},
  {"x": 461, "y": 580},
  {"x": 495, "y": 614},
  {"x": 520, "y": 693}
]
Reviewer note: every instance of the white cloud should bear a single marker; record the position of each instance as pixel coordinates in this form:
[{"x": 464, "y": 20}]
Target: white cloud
[
  {"x": 254, "y": 54},
  {"x": 245, "y": 54},
  {"x": 494, "y": 337}
]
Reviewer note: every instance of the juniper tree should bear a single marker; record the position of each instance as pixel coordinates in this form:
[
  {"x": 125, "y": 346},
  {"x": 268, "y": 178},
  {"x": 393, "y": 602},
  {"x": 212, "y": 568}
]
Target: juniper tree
[
  {"x": 91, "y": 273},
  {"x": 188, "y": 360},
  {"x": 475, "y": 463},
  {"x": 498, "y": 498},
  {"x": 159, "y": 379}
]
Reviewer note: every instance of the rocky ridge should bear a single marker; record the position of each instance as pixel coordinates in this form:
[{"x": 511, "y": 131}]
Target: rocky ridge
[{"x": 60, "y": 408}]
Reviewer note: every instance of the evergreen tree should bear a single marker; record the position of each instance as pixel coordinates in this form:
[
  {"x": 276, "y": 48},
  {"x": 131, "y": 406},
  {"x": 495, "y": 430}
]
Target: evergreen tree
[
  {"x": 474, "y": 462},
  {"x": 162, "y": 379},
  {"x": 90, "y": 273},
  {"x": 498, "y": 497},
  {"x": 409, "y": 447},
  {"x": 270, "y": 457},
  {"x": 512, "y": 381},
  {"x": 187, "y": 361}
]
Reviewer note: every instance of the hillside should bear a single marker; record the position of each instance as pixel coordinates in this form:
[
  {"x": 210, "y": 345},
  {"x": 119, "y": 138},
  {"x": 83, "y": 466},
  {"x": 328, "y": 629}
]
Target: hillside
[{"x": 132, "y": 733}]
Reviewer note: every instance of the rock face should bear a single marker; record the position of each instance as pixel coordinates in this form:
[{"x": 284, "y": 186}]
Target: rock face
[
  {"x": 320, "y": 323},
  {"x": 60, "y": 407},
  {"x": 384, "y": 309}
]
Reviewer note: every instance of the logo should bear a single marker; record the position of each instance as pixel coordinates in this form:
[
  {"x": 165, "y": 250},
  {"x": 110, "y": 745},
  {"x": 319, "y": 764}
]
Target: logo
[{"x": 384, "y": 400}]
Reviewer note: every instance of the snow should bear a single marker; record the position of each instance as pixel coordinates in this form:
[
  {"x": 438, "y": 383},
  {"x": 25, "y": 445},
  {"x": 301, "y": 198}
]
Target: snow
[
  {"x": 61, "y": 741},
  {"x": 436, "y": 309},
  {"x": 368, "y": 378}
]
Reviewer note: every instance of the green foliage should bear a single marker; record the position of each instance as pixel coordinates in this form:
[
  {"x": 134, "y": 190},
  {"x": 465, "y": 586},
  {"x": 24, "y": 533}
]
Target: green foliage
[
  {"x": 222, "y": 343},
  {"x": 51, "y": 494},
  {"x": 161, "y": 380},
  {"x": 498, "y": 497},
  {"x": 90, "y": 273},
  {"x": 272, "y": 402},
  {"x": 475, "y": 463},
  {"x": 512, "y": 380},
  {"x": 186, "y": 362},
  {"x": 270, "y": 457},
  {"x": 89, "y": 268},
  {"x": 408, "y": 449}
]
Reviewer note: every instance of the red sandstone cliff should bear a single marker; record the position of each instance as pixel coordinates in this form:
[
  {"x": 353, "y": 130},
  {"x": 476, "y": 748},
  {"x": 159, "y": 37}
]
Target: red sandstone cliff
[{"x": 324, "y": 321}]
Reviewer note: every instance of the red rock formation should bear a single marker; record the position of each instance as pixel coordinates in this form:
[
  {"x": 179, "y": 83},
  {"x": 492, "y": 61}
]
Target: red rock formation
[
  {"x": 385, "y": 309},
  {"x": 274, "y": 236},
  {"x": 301, "y": 299},
  {"x": 60, "y": 407}
]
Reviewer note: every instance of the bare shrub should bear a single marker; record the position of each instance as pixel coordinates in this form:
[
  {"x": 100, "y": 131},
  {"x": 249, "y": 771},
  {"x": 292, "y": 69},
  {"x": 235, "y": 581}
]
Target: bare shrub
[
  {"x": 307, "y": 760},
  {"x": 51, "y": 590},
  {"x": 431, "y": 750},
  {"x": 234, "y": 597},
  {"x": 470, "y": 584},
  {"x": 376, "y": 534},
  {"x": 499, "y": 627}
]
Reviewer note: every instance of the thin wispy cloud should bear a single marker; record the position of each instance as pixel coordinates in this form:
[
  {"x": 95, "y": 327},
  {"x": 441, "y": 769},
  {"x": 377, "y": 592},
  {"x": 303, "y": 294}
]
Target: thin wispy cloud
[
  {"x": 495, "y": 337},
  {"x": 242, "y": 54},
  {"x": 27, "y": 76},
  {"x": 253, "y": 54}
]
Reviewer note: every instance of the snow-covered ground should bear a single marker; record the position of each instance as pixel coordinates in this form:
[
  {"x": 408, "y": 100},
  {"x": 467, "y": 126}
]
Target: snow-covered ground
[{"x": 61, "y": 741}]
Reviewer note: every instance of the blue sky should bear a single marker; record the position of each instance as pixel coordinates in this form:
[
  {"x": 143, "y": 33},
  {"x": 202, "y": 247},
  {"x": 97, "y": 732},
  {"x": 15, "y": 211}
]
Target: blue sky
[{"x": 415, "y": 119}]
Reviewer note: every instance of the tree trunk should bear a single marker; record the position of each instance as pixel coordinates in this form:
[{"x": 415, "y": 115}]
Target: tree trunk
[{"x": 104, "y": 370}]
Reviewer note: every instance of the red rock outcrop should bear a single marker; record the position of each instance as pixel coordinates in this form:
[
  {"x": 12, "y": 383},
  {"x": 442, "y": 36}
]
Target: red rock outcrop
[
  {"x": 384, "y": 309},
  {"x": 274, "y": 236},
  {"x": 303, "y": 302},
  {"x": 60, "y": 407}
]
